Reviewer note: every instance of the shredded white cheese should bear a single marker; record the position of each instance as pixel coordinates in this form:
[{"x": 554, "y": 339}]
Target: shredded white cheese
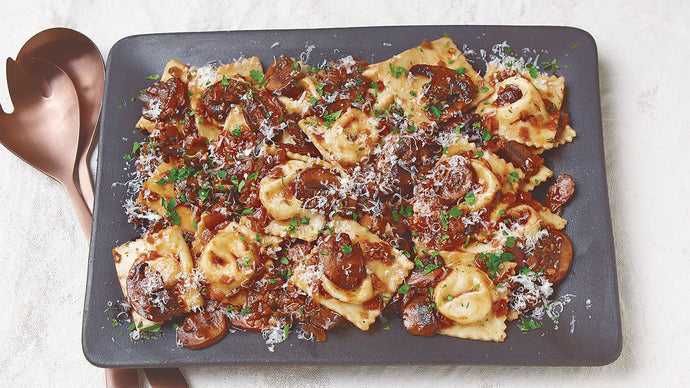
[{"x": 274, "y": 335}]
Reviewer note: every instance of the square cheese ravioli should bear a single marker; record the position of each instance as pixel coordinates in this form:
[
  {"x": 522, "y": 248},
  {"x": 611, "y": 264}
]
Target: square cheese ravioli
[{"x": 361, "y": 288}]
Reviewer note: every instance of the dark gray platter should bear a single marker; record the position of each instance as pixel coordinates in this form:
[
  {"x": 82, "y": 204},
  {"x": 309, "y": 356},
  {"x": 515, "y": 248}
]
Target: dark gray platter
[{"x": 589, "y": 332}]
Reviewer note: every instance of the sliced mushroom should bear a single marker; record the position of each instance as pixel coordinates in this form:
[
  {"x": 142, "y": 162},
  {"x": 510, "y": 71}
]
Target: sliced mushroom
[
  {"x": 202, "y": 329},
  {"x": 453, "y": 178},
  {"x": 408, "y": 151},
  {"x": 283, "y": 75},
  {"x": 263, "y": 112},
  {"x": 323, "y": 320},
  {"x": 342, "y": 260},
  {"x": 420, "y": 317},
  {"x": 148, "y": 295},
  {"x": 346, "y": 86},
  {"x": 552, "y": 254},
  {"x": 446, "y": 87},
  {"x": 507, "y": 95},
  {"x": 430, "y": 272},
  {"x": 314, "y": 185},
  {"x": 560, "y": 192},
  {"x": 313, "y": 332},
  {"x": 520, "y": 256},
  {"x": 326, "y": 319},
  {"x": 520, "y": 156},
  {"x": 163, "y": 99},
  {"x": 220, "y": 97},
  {"x": 378, "y": 251}
]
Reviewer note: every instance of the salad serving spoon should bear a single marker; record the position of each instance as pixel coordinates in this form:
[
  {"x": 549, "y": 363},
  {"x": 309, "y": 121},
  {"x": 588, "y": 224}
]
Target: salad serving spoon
[
  {"x": 41, "y": 130},
  {"x": 79, "y": 57}
]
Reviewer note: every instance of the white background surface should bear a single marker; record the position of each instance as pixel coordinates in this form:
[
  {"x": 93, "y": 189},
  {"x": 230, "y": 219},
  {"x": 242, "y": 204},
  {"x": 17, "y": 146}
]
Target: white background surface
[{"x": 643, "y": 53}]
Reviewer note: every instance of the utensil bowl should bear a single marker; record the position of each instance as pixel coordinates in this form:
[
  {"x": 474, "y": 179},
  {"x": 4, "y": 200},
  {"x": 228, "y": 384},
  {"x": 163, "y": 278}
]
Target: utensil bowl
[{"x": 43, "y": 128}]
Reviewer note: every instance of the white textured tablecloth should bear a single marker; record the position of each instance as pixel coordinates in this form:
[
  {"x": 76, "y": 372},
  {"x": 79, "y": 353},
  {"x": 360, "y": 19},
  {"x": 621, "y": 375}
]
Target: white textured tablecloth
[{"x": 643, "y": 52}]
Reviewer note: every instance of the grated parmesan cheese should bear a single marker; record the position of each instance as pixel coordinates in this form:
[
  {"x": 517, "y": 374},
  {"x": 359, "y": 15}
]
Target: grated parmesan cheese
[
  {"x": 274, "y": 335},
  {"x": 532, "y": 289},
  {"x": 155, "y": 107},
  {"x": 304, "y": 56},
  {"x": 312, "y": 273},
  {"x": 204, "y": 76}
]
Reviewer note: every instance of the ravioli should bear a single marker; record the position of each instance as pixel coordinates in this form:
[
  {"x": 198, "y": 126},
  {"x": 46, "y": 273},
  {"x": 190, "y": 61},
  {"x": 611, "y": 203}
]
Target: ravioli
[
  {"x": 400, "y": 87},
  {"x": 350, "y": 138},
  {"x": 232, "y": 257},
  {"x": 206, "y": 76},
  {"x": 166, "y": 254},
  {"x": 527, "y": 109},
  {"x": 160, "y": 196},
  {"x": 467, "y": 297},
  {"x": 301, "y": 197},
  {"x": 362, "y": 304}
]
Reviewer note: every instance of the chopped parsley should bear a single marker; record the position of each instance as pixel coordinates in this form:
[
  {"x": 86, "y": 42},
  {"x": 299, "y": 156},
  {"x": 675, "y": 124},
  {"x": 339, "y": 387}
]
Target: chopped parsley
[
  {"x": 470, "y": 199},
  {"x": 428, "y": 268},
  {"x": 332, "y": 117},
  {"x": 493, "y": 261},
  {"x": 170, "y": 212},
  {"x": 552, "y": 65},
  {"x": 528, "y": 324},
  {"x": 135, "y": 148},
  {"x": 152, "y": 329},
  {"x": 454, "y": 212},
  {"x": 257, "y": 76},
  {"x": 486, "y": 135},
  {"x": 178, "y": 174},
  {"x": 435, "y": 111},
  {"x": 396, "y": 71},
  {"x": 406, "y": 211}
]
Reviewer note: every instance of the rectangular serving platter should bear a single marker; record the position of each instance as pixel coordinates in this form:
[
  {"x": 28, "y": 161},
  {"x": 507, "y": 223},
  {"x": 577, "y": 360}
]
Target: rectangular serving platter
[{"x": 589, "y": 329}]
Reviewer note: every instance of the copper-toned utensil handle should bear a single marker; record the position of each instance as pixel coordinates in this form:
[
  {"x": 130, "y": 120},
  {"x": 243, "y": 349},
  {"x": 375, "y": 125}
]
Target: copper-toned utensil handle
[
  {"x": 157, "y": 377},
  {"x": 85, "y": 182},
  {"x": 121, "y": 378},
  {"x": 166, "y": 377},
  {"x": 115, "y": 378},
  {"x": 82, "y": 211}
]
